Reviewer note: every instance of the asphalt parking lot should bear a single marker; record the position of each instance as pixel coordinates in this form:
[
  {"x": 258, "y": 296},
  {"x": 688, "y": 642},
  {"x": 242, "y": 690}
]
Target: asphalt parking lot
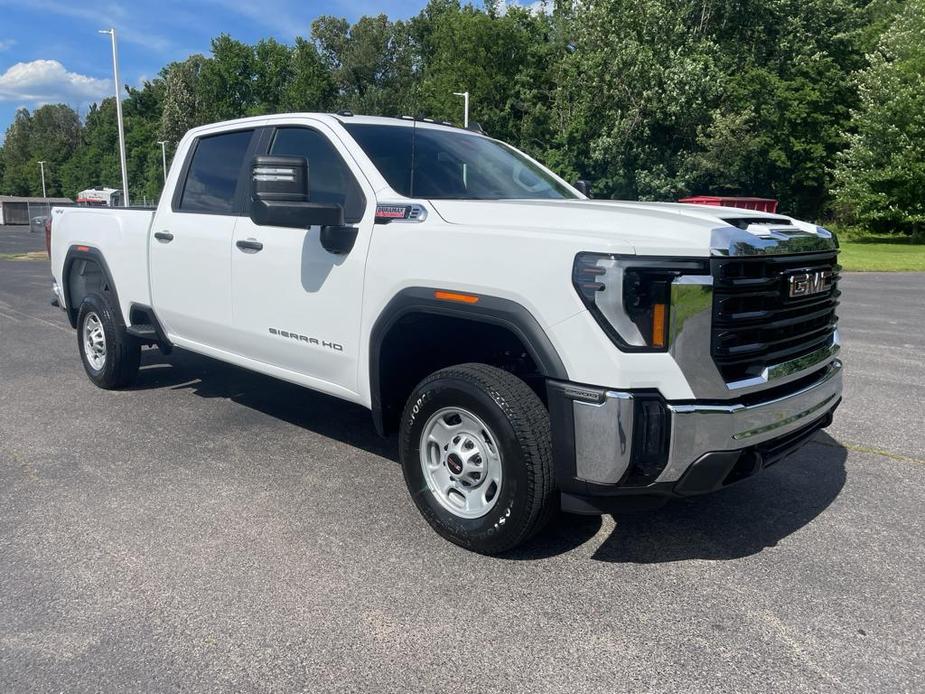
[{"x": 217, "y": 530}]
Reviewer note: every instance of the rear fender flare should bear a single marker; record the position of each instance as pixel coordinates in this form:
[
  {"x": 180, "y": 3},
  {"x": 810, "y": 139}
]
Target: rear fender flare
[{"x": 89, "y": 253}]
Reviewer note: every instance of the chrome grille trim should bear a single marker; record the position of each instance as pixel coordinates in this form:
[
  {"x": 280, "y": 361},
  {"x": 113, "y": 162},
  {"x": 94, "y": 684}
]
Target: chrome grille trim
[{"x": 758, "y": 328}]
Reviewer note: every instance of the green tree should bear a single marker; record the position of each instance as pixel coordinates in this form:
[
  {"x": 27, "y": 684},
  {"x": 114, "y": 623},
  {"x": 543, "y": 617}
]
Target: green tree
[
  {"x": 55, "y": 135},
  {"x": 17, "y": 154},
  {"x": 638, "y": 83},
  {"x": 368, "y": 62},
  {"x": 650, "y": 99},
  {"x": 789, "y": 64},
  {"x": 311, "y": 87},
  {"x": 507, "y": 61},
  {"x": 273, "y": 73},
  {"x": 96, "y": 160},
  {"x": 51, "y": 134},
  {"x": 879, "y": 15},
  {"x": 880, "y": 177},
  {"x": 143, "y": 110},
  {"x": 225, "y": 87},
  {"x": 183, "y": 108}
]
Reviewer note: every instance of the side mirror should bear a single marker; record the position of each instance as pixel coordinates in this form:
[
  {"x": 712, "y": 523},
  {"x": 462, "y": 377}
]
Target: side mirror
[
  {"x": 280, "y": 195},
  {"x": 583, "y": 187}
]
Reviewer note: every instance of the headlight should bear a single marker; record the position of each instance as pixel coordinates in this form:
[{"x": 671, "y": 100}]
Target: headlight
[{"x": 630, "y": 297}]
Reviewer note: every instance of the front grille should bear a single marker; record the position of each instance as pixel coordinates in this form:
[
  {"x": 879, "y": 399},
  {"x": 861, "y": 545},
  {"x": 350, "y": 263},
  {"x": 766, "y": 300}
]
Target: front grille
[{"x": 755, "y": 322}]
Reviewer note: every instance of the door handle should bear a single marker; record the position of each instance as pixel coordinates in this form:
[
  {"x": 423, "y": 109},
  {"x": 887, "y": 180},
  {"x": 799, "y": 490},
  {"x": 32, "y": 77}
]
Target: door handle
[
  {"x": 165, "y": 236},
  {"x": 249, "y": 245}
]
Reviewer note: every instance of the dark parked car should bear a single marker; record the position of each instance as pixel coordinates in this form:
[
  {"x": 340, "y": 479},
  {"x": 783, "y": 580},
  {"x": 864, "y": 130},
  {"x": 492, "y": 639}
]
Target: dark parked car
[{"x": 37, "y": 224}]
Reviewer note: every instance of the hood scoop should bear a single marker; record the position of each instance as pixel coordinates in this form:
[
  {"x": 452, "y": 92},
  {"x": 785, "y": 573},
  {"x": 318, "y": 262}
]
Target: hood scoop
[
  {"x": 744, "y": 223},
  {"x": 782, "y": 229},
  {"x": 770, "y": 237}
]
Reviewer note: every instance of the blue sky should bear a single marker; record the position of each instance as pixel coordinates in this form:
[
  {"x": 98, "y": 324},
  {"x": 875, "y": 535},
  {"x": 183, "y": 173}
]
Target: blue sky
[{"x": 50, "y": 50}]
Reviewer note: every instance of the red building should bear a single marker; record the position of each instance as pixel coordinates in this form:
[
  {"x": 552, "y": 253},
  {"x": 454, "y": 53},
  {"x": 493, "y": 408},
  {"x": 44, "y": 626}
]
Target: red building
[{"x": 760, "y": 204}]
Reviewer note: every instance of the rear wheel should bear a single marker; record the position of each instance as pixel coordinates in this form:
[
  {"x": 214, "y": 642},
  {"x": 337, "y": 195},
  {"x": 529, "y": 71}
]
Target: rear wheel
[
  {"x": 109, "y": 354},
  {"x": 476, "y": 456}
]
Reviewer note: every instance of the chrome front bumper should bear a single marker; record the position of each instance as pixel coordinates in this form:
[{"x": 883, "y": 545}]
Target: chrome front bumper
[
  {"x": 698, "y": 429},
  {"x": 612, "y": 443}
]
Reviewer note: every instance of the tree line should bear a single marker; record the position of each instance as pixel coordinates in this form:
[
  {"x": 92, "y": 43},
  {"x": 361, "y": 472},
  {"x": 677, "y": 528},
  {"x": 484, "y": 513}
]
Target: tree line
[{"x": 818, "y": 103}]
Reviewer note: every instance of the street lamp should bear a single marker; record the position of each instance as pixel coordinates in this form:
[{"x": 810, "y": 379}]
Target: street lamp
[
  {"x": 163, "y": 144},
  {"x": 42, "y": 165},
  {"x": 465, "y": 96},
  {"x": 115, "y": 73}
]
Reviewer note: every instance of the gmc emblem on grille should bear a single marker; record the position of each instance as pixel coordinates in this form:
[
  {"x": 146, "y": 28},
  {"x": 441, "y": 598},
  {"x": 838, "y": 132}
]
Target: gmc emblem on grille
[{"x": 808, "y": 283}]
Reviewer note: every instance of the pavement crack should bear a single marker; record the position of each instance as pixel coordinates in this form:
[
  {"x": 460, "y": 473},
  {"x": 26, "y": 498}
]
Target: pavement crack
[
  {"x": 36, "y": 318},
  {"x": 858, "y": 448}
]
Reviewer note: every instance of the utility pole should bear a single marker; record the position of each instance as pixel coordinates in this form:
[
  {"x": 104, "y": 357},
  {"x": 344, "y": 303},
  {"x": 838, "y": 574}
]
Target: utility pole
[
  {"x": 42, "y": 165},
  {"x": 163, "y": 144},
  {"x": 465, "y": 96},
  {"x": 115, "y": 74}
]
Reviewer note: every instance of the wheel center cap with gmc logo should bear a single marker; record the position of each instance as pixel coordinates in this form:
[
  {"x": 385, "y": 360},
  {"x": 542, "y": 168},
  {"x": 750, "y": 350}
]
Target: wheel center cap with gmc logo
[{"x": 454, "y": 463}]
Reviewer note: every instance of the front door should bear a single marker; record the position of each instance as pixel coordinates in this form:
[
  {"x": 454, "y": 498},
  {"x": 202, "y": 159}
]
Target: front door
[
  {"x": 191, "y": 242},
  {"x": 297, "y": 306}
]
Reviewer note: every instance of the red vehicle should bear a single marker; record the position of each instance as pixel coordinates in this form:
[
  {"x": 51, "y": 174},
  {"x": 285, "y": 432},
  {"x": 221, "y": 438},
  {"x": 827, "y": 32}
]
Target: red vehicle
[
  {"x": 760, "y": 204},
  {"x": 100, "y": 197}
]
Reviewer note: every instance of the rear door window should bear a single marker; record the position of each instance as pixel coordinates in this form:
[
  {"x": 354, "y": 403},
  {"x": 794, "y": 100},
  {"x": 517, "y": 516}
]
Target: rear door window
[{"x": 214, "y": 172}]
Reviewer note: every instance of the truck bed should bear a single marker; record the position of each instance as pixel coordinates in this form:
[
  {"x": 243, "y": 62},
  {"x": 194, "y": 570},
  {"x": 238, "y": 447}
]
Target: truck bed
[{"x": 119, "y": 234}]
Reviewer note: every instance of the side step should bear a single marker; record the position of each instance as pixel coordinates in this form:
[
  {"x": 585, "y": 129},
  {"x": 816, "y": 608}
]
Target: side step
[
  {"x": 146, "y": 327},
  {"x": 143, "y": 331}
]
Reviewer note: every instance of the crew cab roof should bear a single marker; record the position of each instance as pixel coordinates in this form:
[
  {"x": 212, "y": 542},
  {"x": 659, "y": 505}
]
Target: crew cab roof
[{"x": 335, "y": 118}]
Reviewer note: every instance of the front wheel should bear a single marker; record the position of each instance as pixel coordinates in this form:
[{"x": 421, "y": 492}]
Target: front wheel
[{"x": 476, "y": 455}]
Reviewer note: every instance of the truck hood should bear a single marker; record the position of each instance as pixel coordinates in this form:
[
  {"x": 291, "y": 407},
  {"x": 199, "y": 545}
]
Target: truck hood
[{"x": 649, "y": 227}]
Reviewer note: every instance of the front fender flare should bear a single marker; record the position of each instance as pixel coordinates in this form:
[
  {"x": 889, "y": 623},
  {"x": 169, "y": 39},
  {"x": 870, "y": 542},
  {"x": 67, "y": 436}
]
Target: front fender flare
[{"x": 488, "y": 309}]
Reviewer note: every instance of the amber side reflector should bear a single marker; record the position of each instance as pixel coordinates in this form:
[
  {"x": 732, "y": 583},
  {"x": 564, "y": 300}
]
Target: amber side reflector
[
  {"x": 658, "y": 325},
  {"x": 454, "y": 296}
]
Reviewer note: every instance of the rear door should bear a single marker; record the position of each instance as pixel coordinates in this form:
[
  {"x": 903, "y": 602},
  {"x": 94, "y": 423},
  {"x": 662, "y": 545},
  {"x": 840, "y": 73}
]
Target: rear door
[
  {"x": 297, "y": 306},
  {"x": 191, "y": 240}
]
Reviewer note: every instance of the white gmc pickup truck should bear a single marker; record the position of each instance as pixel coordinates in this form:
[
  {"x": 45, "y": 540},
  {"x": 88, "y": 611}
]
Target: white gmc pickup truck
[{"x": 535, "y": 349}]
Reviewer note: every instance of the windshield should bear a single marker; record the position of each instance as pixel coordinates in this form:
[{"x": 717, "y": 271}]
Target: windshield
[{"x": 453, "y": 165}]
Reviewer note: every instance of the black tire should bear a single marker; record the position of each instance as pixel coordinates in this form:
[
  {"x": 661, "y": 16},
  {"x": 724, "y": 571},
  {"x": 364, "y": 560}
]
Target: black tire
[
  {"x": 123, "y": 351},
  {"x": 519, "y": 422}
]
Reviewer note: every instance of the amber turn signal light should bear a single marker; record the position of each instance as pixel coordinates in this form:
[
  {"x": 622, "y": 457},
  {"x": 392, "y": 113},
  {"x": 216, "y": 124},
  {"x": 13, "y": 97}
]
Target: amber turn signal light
[
  {"x": 455, "y": 296},
  {"x": 658, "y": 325}
]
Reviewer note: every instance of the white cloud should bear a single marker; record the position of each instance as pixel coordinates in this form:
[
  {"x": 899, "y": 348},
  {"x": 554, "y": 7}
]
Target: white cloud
[
  {"x": 44, "y": 81},
  {"x": 7, "y": 44}
]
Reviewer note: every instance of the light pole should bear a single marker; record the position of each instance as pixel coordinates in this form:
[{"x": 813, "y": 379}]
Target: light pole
[
  {"x": 163, "y": 144},
  {"x": 115, "y": 73},
  {"x": 42, "y": 165},
  {"x": 465, "y": 96}
]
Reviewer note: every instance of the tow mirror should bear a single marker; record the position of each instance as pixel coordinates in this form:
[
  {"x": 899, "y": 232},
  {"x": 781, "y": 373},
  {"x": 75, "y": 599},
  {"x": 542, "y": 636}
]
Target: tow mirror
[
  {"x": 583, "y": 187},
  {"x": 281, "y": 197}
]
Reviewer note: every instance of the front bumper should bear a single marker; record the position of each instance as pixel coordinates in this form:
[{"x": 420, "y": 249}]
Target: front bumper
[{"x": 609, "y": 445}]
